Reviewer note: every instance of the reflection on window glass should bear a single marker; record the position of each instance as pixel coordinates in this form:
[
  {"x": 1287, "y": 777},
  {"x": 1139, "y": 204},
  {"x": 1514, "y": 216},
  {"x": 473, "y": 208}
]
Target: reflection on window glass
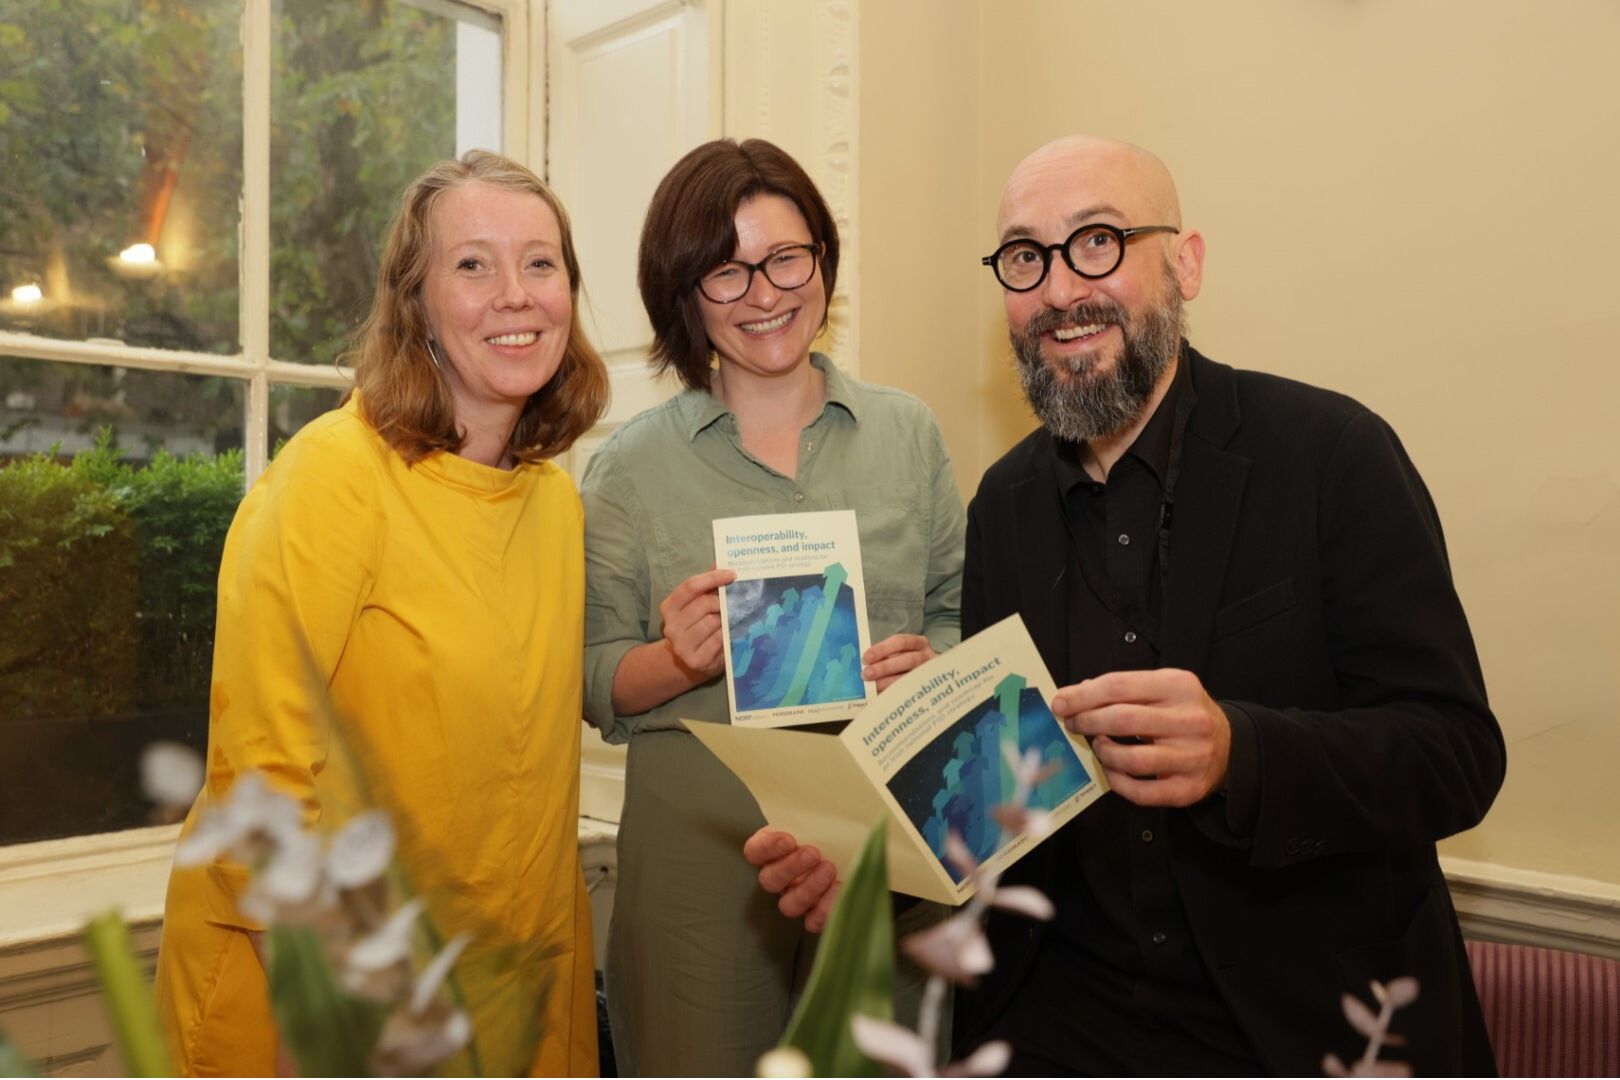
[
  {"x": 116, "y": 489},
  {"x": 120, "y": 171},
  {"x": 291, "y": 407},
  {"x": 364, "y": 99}
]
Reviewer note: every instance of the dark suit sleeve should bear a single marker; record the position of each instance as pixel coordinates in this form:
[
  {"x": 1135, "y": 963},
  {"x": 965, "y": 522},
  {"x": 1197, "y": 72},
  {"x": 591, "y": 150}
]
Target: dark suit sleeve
[
  {"x": 1414, "y": 753},
  {"x": 975, "y": 615}
]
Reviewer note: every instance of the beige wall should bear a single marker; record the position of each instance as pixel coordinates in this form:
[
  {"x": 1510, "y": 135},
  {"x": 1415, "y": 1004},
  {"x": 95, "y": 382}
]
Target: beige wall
[
  {"x": 1412, "y": 202},
  {"x": 920, "y": 181}
]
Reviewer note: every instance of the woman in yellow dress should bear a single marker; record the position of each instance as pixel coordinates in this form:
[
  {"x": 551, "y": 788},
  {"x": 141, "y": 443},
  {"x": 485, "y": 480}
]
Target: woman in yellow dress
[{"x": 418, "y": 554}]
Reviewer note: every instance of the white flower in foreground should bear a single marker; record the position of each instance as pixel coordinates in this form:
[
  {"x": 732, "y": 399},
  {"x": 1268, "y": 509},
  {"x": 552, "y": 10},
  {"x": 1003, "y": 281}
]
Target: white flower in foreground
[
  {"x": 390, "y": 944},
  {"x": 900, "y": 1048},
  {"x": 171, "y": 774},
  {"x": 361, "y": 851},
  {"x": 1017, "y": 820},
  {"x": 413, "y": 1043},
  {"x": 959, "y": 855},
  {"x": 427, "y": 984},
  {"x": 253, "y": 818},
  {"x": 427, "y": 1030},
  {"x": 1023, "y": 900},
  {"x": 1028, "y": 772},
  {"x": 955, "y": 949},
  {"x": 783, "y": 1062},
  {"x": 1375, "y": 1026},
  {"x": 910, "y": 1054},
  {"x": 291, "y": 889}
]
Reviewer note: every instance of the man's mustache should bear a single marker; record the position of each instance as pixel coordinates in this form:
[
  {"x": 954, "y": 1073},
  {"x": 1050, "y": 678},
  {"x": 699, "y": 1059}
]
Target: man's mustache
[{"x": 1082, "y": 314}]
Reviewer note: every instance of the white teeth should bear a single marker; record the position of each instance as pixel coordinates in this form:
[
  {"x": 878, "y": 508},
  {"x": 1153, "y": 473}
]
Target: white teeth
[
  {"x": 514, "y": 339},
  {"x": 1069, "y": 333},
  {"x": 769, "y": 324}
]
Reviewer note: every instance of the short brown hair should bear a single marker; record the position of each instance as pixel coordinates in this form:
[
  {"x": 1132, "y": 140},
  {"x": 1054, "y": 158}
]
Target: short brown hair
[
  {"x": 691, "y": 228},
  {"x": 402, "y": 393}
]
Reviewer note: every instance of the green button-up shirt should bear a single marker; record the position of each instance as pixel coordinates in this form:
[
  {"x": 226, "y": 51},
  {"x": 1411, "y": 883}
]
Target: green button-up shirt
[{"x": 653, "y": 490}]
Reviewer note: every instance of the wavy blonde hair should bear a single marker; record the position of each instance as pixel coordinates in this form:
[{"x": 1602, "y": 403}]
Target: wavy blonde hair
[{"x": 402, "y": 392}]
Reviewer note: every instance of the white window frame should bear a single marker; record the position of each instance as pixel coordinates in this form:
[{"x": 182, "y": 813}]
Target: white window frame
[{"x": 49, "y": 889}]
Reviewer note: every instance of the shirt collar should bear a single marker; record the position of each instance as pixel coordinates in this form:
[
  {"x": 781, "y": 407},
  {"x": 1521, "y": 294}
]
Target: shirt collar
[{"x": 699, "y": 408}]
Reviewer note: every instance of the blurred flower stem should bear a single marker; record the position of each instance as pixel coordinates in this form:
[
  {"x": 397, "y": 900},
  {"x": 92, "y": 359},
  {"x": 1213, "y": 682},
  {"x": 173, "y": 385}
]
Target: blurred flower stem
[{"x": 129, "y": 999}]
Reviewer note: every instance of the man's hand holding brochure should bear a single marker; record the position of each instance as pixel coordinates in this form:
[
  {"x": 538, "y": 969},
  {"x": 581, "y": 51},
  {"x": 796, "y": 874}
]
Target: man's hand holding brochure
[{"x": 927, "y": 754}]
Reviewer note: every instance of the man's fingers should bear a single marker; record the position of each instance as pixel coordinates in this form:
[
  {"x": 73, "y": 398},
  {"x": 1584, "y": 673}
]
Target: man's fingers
[
  {"x": 816, "y": 921},
  {"x": 802, "y": 898},
  {"x": 767, "y": 845},
  {"x": 1172, "y": 791},
  {"x": 1116, "y": 720},
  {"x": 781, "y": 874},
  {"x": 1145, "y": 687}
]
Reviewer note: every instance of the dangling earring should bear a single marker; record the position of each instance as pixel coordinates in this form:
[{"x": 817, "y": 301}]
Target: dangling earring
[{"x": 433, "y": 354}]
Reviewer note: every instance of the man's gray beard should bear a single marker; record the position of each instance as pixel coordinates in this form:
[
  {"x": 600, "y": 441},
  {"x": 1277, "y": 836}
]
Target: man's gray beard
[{"x": 1090, "y": 405}]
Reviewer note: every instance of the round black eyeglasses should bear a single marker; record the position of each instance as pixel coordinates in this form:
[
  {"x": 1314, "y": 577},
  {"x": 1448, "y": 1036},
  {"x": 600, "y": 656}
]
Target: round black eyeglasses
[
  {"x": 789, "y": 267},
  {"x": 1092, "y": 251}
]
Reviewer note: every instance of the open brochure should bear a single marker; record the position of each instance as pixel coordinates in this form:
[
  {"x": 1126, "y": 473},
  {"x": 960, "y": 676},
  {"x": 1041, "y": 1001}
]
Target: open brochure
[
  {"x": 927, "y": 755},
  {"x": 794, "y": 621}
]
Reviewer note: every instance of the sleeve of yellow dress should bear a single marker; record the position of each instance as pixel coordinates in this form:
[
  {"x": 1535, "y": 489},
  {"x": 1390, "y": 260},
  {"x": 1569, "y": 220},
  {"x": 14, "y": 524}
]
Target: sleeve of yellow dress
[{"x": 298, "y": 565}]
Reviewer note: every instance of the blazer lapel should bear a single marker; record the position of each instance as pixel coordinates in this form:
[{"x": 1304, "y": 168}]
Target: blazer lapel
[
  {"x": 1209, "y": 497},
  {"x": 1042, "y": 546}
]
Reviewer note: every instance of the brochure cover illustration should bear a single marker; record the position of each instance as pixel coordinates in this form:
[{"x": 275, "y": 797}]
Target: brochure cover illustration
[
  {"x": 927, "y": 753},
  {"x": 794, "y": 621}
]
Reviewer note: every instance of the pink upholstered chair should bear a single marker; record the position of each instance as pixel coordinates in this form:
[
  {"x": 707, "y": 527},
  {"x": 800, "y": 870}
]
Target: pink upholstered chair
[{"x": 1549, "y": 1012}]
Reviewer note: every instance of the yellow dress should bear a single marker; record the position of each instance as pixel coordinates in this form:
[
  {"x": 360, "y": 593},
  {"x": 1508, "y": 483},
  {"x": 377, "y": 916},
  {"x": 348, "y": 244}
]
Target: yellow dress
[{"x": 442, "y": 605}]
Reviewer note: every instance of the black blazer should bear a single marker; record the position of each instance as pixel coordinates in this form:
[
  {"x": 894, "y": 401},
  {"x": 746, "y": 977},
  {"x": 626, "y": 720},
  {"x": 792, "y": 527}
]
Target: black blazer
[{"x": 1308, "y": 586}]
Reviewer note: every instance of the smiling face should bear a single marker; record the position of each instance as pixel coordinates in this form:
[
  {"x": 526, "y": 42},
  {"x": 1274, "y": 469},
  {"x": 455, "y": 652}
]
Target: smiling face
[
  {"x": 1094, "y": 349},
  {"x": 768, "y": 332},
  {"x": 496, "y": 297}
]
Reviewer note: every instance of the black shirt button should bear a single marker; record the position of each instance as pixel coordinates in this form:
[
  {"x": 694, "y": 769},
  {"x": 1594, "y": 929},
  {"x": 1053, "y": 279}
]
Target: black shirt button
[
  {"x": 1159, "y": 937},
  {"x": 1147, "y": 836},
  {"x": 1130, "y": 637},
  {"x": 1124, "y": 541}
]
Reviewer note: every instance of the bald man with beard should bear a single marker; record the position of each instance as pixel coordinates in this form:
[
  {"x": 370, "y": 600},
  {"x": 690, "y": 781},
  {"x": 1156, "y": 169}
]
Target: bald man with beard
[{"x": 1241, "y": 584}]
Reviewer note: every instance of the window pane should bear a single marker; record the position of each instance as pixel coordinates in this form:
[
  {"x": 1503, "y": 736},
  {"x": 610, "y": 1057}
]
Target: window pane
[
  {"x": 120, "y": 171},
  {"x": 116, "y": 489},
  {"x": 365, "y": 98},
  {"x": 291, "y": 407}
]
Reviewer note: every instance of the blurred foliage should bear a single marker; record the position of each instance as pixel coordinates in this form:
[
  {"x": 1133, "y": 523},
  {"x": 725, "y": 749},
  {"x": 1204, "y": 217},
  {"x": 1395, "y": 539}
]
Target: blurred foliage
[
  {"x": 69, "y": 587},
  {"x": 109, "y": 108},
  {"x": 121, "y": 119},
  {"x": 107, "y": 575},
  {"x": 853, "y": 971},
  {"x": 328, "y": 1032},
  {"x": 12, "y": 1062},
  {"x": 363, "y": 101},
  {"x": 128, "y": 997}
]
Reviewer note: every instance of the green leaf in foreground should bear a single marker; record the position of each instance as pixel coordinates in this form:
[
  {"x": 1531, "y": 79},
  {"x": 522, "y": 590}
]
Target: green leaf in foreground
[
  {"x": 853, "y": 972},
  {"x": 12, "y": 1063},
  {"x": 129, "y": 999},
  {"x": 327, "y": 1031}
]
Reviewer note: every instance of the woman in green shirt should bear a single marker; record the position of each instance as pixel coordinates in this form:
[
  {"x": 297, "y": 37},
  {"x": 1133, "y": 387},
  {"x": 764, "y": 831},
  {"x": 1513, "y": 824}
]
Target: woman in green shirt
[{"x": 739, "y": 255}]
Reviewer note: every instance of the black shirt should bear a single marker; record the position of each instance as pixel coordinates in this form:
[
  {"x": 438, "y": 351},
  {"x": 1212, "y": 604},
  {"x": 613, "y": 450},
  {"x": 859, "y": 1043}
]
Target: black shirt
[{"x": 1121, "y": 988}]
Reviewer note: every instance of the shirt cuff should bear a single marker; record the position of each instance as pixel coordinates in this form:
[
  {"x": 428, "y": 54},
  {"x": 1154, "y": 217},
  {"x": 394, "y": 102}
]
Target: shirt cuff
[
  {"x": 1242, "y": 772},
  {"x": 601, "y": 665}
]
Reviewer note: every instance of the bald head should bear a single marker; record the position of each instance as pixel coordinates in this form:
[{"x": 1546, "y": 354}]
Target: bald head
[{"x": 1082, "y": 177}]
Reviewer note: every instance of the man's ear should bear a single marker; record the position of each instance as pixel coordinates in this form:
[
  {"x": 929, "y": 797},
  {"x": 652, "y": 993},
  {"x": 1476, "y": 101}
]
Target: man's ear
[{"x": 1189, "y": 260}]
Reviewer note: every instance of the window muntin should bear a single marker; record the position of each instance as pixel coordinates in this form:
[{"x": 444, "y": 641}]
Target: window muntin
[{"x": 178, "y": 356}]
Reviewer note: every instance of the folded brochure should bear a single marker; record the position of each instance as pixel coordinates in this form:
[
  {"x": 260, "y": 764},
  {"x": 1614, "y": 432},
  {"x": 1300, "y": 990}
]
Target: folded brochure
[{"x": 927, "y": 755}]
